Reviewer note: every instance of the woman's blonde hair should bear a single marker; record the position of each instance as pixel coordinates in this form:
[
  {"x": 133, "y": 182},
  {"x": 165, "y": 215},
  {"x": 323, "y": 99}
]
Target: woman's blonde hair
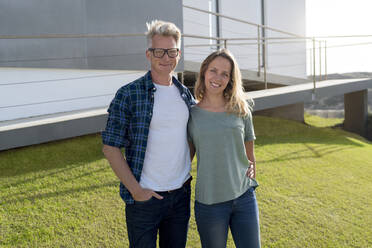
[{"x": 234, "y": 92}]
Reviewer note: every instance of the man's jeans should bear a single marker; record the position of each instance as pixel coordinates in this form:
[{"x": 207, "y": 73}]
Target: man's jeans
[
  {"x": 170, "y": 216},
  {"x": 241, "y": 214}
]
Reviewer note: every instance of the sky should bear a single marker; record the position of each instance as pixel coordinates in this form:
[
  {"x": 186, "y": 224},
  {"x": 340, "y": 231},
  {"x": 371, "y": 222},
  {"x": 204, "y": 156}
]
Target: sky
[{"x": 342, "y": 17}]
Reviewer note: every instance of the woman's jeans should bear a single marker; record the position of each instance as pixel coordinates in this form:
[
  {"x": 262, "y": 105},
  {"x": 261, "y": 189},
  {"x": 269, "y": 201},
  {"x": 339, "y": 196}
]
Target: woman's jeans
[{"x": 240, "y": 214}]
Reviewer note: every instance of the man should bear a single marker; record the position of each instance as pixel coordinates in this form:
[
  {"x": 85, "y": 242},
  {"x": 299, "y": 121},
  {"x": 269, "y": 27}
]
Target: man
[{"x": 148, "y": 117}]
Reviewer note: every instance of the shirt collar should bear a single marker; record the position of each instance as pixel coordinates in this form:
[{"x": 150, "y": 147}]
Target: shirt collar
[{"x": 149, "y": 85}]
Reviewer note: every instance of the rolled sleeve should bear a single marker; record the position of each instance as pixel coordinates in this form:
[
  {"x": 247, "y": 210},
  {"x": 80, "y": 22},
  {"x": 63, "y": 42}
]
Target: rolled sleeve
[
  {"x": 248, "y": 129},
  {"x": 116, "y": 131}
]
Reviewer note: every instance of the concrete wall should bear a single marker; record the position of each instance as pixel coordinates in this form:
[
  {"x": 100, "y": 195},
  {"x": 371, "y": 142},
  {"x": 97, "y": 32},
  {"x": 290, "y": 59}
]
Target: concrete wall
[
  {"x": 290, "y": 112},
  {"x": 38, "y": 17},
  {"x": 356, "y": 112}
]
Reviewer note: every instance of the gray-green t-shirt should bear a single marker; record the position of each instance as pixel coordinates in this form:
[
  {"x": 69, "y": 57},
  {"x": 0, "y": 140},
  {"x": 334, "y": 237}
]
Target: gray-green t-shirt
[{"x": 222, "y": 162}]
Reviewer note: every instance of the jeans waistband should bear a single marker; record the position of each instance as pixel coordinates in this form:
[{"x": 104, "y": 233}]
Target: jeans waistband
[{"x": 186, "y": 183}]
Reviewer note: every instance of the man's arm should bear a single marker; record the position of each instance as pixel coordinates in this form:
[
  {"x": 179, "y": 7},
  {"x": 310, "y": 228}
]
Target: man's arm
[{"x": 121, "y": 168}]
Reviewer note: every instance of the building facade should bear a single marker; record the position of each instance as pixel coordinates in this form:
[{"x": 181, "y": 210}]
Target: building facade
[{"x": 42, "y": 74}]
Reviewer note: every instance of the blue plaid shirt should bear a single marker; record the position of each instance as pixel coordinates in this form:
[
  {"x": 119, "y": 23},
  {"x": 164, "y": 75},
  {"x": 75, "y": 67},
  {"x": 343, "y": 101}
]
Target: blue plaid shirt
[{"x": 129, "y": 120}]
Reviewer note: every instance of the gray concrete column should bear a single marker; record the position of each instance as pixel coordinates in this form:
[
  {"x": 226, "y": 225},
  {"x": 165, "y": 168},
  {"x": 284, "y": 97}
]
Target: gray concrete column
[
  {"x": 290, "y": 112},
  {"x": 356, "y": 112}
]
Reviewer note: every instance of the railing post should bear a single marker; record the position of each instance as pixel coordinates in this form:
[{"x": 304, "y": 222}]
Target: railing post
[
  {"x": 225, "y": 44},
  {"x": 264, "y": 59},
  {"x": 258, "y": 52},
  {"x": 314, "y": 85},
  {"x": 325, "y": 60},
  {"x": 320, "y": 60},
  {"x": 311, "y": 61}
]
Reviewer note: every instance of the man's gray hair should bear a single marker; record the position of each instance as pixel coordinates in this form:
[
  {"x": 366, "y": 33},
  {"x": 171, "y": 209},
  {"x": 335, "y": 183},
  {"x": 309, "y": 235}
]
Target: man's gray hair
[{"x": 163, "y": 28}]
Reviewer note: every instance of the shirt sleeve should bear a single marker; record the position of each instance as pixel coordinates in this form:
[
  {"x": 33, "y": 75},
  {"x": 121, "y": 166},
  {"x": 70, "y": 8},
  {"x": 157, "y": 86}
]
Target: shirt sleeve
[
  {"x": 248, "y": 128},
  {"x": 116, "y": 131}
]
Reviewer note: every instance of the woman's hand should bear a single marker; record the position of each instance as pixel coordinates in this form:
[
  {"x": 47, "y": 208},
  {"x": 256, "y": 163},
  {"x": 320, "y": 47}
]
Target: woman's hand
[
  {"x": 251, "y": 171},
  {"x": 249, "y": 150}
]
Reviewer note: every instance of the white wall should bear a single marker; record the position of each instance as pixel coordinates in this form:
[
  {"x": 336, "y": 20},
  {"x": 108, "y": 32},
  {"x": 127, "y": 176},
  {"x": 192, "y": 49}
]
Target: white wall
[
  {"x": 33, "y": 92},
  {"x": 288, "y": 15},
  {"x": 196, "y": 23},
  {"x": 250, "y": 11}
]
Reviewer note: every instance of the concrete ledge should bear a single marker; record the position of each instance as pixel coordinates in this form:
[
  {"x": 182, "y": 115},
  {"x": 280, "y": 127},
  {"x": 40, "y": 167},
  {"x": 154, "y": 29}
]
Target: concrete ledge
[
  {"x": 42, "y": 129},
  {"x": 271, "y": 98}
]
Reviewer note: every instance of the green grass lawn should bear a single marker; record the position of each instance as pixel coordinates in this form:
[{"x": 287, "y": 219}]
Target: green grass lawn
[{"x": 315, "y": 190}]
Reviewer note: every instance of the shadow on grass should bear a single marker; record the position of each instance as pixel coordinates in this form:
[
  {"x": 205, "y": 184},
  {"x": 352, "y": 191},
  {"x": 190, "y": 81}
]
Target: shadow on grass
[
  {"x": 62, "y": 155},
  {"x": 280, "y": 131},
  {"x": 315, "y": 152},
  {"x": 41, "y": 196},
  {"x": 51, "y": 184},
  {"x": 309, "y": 141}
]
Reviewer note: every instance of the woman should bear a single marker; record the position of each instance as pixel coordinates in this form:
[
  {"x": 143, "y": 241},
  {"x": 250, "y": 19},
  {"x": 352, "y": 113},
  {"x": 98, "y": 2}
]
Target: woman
[{"x": 221, "y": 133}]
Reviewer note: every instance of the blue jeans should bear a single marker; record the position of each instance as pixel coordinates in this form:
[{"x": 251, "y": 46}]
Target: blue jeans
[
  {"x": 240, "y": 214},
  {"x": 170, "y": 216}
]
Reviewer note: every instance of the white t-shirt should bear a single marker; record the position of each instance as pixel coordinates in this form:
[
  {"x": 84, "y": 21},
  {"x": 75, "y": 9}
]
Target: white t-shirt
[{"x": 167, "y": 159}]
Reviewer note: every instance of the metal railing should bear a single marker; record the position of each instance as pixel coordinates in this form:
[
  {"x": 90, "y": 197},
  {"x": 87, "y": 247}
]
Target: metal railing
[
  {"x": 317, "y": 43},
  {"x": 260, "y": 41}
]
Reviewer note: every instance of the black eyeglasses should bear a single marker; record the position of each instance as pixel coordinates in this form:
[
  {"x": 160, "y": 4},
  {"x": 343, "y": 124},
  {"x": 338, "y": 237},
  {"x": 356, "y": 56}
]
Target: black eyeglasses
[{"x": 160, "y": 52}]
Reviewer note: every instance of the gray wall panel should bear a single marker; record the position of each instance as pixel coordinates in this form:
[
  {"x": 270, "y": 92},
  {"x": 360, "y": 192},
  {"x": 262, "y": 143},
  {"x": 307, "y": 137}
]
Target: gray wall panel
[
  {"x": 57, "y": 53},
  {"x": 37, "y": 17},
  {"x": 112, "y": 16}
]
